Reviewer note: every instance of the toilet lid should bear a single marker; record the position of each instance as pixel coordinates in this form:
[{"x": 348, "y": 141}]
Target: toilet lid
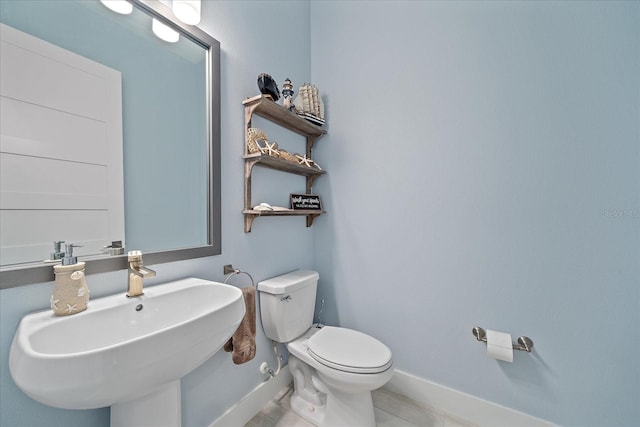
[{"x": 349, "y": 350}]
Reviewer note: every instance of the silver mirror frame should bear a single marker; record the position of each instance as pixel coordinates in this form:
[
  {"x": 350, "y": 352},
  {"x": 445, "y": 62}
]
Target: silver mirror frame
[{"x": 20, "y": 276}]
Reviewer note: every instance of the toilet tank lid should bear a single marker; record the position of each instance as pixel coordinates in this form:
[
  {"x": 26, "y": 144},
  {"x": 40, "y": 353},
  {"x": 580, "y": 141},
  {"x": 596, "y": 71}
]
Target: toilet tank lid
[{"x": 287, "y": 282}]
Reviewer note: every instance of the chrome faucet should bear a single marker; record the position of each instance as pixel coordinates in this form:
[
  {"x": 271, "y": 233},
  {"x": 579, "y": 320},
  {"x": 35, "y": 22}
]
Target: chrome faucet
[{"x": 137, "y": 272}]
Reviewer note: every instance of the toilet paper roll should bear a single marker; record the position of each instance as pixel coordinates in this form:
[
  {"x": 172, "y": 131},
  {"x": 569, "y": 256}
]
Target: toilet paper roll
[{"x": 499, "y": 345}]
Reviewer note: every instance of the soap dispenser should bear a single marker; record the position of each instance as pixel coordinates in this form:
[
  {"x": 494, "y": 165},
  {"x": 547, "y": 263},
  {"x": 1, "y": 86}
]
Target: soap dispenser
[{"x": 70, "y": 291}]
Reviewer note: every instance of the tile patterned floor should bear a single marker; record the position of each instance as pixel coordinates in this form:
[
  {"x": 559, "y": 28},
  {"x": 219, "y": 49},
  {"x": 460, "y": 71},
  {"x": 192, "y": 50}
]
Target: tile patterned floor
[{"x": 392, "y": 410}]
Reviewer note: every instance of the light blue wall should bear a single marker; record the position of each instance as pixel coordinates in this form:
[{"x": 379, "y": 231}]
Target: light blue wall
[
  {"x": 255, "y": 37},
  {"x": 484, "y": 169}
]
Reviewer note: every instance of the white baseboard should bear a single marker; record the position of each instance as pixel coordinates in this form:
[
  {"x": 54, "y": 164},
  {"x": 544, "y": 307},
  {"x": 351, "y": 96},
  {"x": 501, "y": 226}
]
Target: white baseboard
[
  {"x": 452, "y": 402},
  {"x": 465, "y": 406},
  {"x": 240, "y": 413}
]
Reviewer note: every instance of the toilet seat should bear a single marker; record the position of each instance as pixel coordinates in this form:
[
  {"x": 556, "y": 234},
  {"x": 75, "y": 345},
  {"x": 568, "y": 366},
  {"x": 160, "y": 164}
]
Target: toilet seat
[{"x": 348, "y": 350}]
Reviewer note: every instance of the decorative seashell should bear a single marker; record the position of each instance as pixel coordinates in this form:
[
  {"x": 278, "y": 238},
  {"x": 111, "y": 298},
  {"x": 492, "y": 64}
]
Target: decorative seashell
[
  {"x": 268, "y": 86},
  {"x": 76, "y": 275}
]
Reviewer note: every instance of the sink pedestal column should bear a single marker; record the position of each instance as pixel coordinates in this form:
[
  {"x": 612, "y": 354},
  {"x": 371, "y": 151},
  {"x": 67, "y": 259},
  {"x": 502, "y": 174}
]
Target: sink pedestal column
[{"x": 159, "y": 408}]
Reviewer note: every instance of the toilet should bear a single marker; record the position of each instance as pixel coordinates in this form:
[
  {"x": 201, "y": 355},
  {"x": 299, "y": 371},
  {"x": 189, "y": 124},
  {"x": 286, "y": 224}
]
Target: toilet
[{"x": 334, "y": 369}]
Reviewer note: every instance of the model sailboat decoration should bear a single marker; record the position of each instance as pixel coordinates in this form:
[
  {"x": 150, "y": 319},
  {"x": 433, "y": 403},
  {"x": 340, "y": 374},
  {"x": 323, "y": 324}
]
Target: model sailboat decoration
[{"x": 308, "y": 104}]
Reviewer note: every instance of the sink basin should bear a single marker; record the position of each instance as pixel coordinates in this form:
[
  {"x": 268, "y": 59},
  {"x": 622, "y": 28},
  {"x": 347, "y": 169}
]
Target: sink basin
[{"x": 122, "y": 349}]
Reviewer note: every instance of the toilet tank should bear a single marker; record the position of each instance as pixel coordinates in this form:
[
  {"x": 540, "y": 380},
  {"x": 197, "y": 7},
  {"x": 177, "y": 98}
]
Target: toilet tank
[{"x": 287, "y": 304}]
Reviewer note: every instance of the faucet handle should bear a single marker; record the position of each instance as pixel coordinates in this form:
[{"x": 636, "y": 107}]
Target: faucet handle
[
  {"x": 57, "y": 253},
  {"x": 134, "y": 256},
  {"x": 115, "y": 248}
]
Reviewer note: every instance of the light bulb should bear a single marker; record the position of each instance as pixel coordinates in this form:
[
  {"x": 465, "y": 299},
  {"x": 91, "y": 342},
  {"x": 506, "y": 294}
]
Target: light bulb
[
  {"x": 122, "y": 7},
  {"x": 164, "y": 32},
  {"x": 188, "y": 11}
]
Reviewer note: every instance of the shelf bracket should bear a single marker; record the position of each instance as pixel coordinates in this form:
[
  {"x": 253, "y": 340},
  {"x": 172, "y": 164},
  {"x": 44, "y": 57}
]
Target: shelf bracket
[
  {"x": 248, "y": 116},
  {"x": 310, "y": 141},
  {"x": 248, "y": 166},
  {"x": 310, "y": 180},
  {"x": 310, "y": 219},
  {"x": 248, "y": 222}
]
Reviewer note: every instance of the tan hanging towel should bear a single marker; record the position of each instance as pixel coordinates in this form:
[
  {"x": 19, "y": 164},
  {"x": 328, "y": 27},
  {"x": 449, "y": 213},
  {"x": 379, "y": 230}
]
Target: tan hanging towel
[{"x": 242, "y": 344}]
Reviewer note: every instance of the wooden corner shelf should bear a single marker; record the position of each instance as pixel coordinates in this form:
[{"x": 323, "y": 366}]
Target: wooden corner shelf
[
  {"x": 250, "y": 215},
  {"x": 265, "y": 107},
  {"x": 281, "y": 165}
]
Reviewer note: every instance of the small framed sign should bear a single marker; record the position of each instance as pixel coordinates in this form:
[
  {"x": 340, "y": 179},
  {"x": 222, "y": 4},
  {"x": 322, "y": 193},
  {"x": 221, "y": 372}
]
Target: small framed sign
[{"x": 309, "y": 202}]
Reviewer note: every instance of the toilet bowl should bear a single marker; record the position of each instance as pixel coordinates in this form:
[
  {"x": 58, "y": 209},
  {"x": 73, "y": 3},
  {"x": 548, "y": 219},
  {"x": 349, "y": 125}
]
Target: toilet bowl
[{"x": 334, "y": 369}]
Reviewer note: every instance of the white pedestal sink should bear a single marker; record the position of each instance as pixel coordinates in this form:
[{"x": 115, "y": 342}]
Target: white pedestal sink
[{"x": 126, "y": 353}]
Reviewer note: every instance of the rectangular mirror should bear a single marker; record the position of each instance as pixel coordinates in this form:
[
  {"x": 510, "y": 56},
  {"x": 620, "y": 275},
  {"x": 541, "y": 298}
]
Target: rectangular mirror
[{"x": 170, "y": 135}]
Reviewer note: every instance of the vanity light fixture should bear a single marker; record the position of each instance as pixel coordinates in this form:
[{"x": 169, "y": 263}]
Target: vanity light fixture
[
  {"x": 122, "y": 7},
  {"x": 164, "y": 32},
  {"x": 188, "y": 11}
]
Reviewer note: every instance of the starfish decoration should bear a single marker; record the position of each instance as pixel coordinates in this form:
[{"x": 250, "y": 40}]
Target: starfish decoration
[
  {"x": 317, "y": 165},
  {"x": 70, "y": 308},
  {"x": 261, "y": 149},
  {"x": 270, "y": 148},
  {"x": 303, "y": 160},
  {"x": 54, "y": 303}
]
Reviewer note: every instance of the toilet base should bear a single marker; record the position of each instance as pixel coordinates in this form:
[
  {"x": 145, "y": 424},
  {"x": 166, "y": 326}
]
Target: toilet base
[
  {"x": 342, "y": 409},
  {"x": 325, "y": 406},
  {"x": 348, "y": 409},
  {"x": 307, "y": 401},
  {"x": 308, "y": 411}
]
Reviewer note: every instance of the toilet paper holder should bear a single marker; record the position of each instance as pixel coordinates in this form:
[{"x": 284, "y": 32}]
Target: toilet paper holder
[{"x": 524, "y": 343}]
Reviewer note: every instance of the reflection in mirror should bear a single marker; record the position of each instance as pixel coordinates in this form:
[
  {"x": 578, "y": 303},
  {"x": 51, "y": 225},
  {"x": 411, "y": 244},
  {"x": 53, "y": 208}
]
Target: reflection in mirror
[{"x": 169, "y": 138}]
